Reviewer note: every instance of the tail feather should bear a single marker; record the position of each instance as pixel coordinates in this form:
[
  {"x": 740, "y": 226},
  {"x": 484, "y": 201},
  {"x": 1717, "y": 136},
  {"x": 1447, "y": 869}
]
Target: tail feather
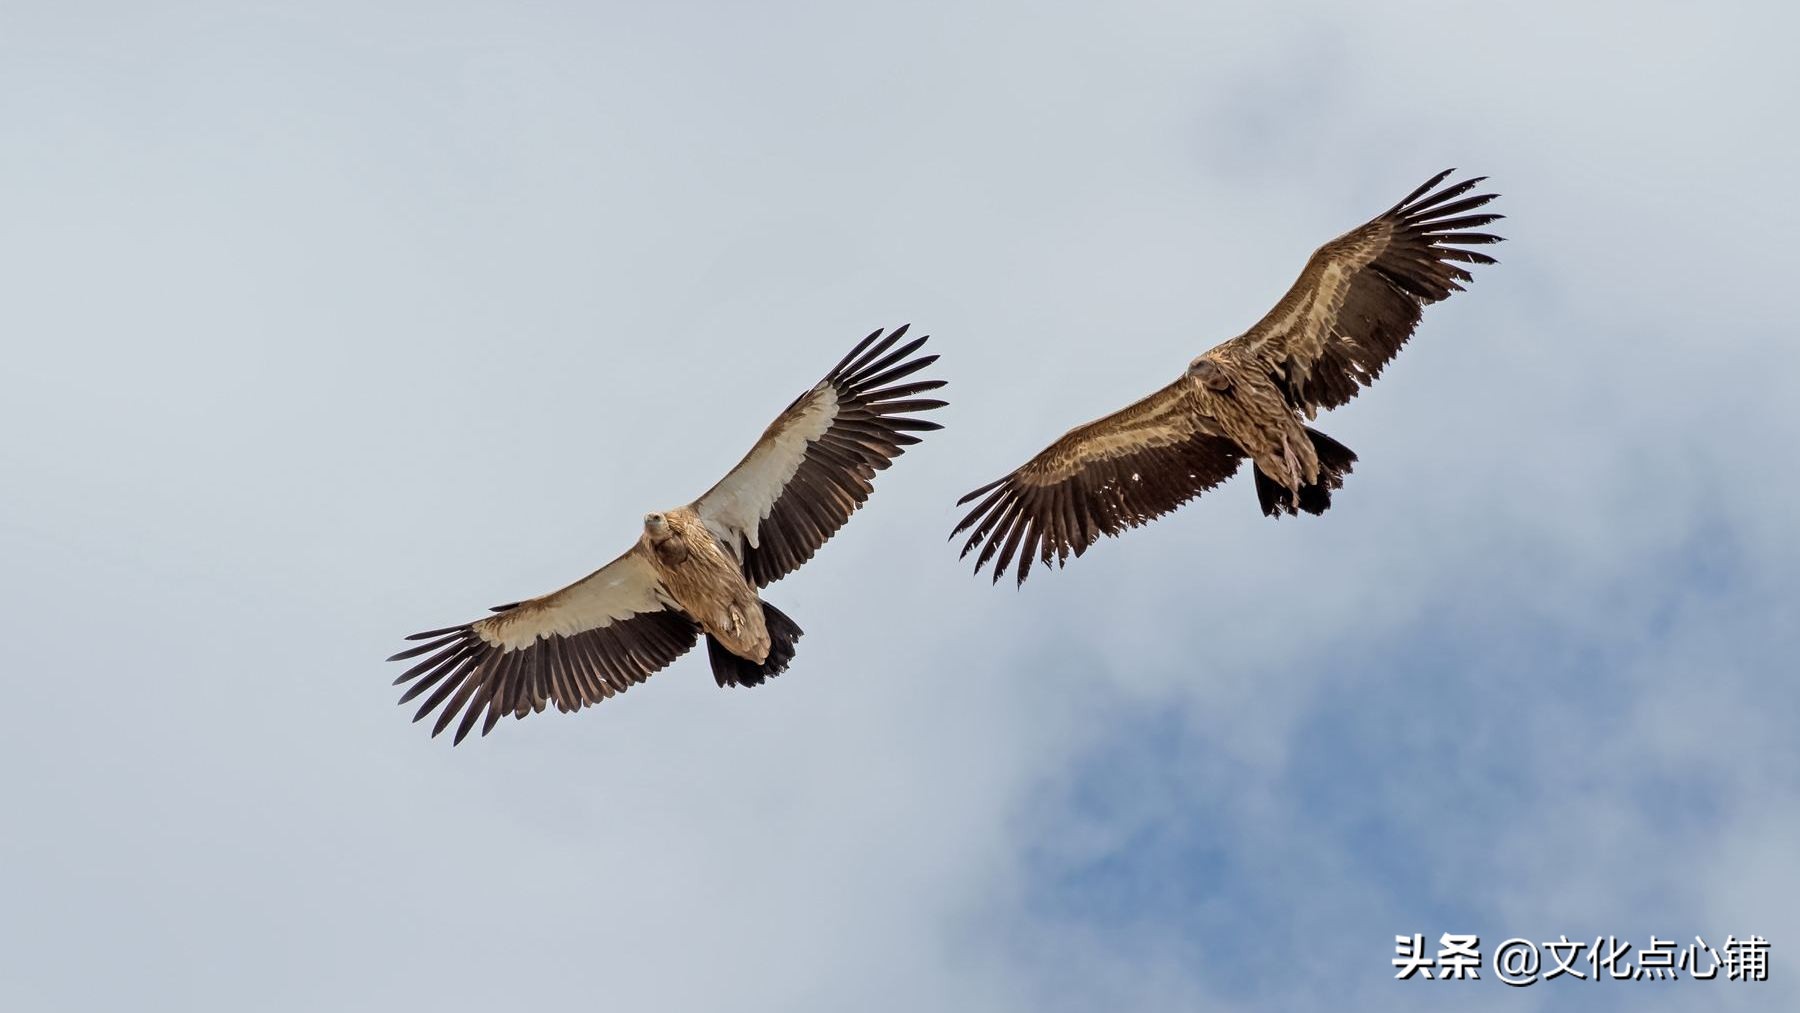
[
  {"x": 731, "y": 670},
  {"x": 1335, "y": 462}
]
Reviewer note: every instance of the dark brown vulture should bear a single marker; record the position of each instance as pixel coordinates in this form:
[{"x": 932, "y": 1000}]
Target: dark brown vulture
[
  {"x": 1356, "y": 303},
  {"x": 695, "y": 569}
]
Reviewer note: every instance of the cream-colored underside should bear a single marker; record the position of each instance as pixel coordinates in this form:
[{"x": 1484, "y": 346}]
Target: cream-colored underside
[{"x": 735, "y": 508}]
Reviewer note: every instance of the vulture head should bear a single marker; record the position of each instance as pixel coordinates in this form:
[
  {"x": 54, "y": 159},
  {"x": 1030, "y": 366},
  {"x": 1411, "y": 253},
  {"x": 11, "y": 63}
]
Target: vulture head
[
  {"x": 1208, "y": 372},
  {"x": 656, "y": 526}
]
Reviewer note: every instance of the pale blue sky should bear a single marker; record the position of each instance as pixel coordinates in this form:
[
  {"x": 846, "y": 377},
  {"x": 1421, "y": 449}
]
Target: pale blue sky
[{"x": 326, "y": 323}]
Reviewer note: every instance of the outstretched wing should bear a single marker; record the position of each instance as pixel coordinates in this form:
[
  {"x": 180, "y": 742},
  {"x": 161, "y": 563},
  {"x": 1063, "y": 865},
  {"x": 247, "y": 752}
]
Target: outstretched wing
[
  {"x": 580, "y": 645},
  {"x": 815, "y": 463},
  {"x": 1114, "y": 473},
  {"x": 1361, "y": 294}
]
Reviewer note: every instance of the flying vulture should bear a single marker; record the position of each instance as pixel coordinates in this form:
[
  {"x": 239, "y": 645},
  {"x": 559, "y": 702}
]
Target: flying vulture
[
  {"x": 1356, "y": 303},
  {"x": 696, "y": 569}
]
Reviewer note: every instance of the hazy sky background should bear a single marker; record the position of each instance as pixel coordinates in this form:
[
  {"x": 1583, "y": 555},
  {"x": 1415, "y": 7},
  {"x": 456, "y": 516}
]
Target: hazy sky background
[{"x": 326, "y": 323}]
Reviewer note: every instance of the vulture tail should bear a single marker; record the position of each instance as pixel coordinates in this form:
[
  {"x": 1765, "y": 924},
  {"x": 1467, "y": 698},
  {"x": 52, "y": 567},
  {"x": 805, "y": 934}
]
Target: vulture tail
[
  {"x": 1335, "y": 460},
  {"x": 731, "y": 670}
]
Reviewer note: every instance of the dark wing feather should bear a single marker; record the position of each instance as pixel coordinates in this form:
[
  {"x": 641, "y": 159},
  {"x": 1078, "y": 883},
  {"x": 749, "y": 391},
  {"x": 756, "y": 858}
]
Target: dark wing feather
[
  {"x": 578, "y": 646},
  {"x": 816, "y": 463},
  {"x": 1360, "y": 297},
  {"x": 1114, "y": 473}
]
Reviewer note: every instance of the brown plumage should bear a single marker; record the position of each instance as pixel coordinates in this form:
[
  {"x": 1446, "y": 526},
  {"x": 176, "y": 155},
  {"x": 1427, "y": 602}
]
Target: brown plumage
[
  {"x": 695, "y": 569},
  {"x": 1355, "y": 304}
]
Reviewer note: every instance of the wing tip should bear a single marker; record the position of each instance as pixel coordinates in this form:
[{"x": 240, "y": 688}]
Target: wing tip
[
  {"x": 446, "y": 631},
  {"x": 990, "y": 487}
]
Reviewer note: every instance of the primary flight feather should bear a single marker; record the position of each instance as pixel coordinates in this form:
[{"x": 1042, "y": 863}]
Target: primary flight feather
[
  {"x": 1355, "y": 304},
  {"x": 696, "y": 569}
]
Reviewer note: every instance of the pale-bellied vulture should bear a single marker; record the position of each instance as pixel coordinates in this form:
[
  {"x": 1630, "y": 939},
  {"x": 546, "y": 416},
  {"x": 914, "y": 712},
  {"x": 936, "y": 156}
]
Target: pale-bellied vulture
[{"x": 696, "y": 569}]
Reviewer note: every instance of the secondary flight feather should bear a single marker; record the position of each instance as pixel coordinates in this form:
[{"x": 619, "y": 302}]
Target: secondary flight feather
[
  {"x": 696, "y": 569},
  {"x": 1358, "y": 300}
]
